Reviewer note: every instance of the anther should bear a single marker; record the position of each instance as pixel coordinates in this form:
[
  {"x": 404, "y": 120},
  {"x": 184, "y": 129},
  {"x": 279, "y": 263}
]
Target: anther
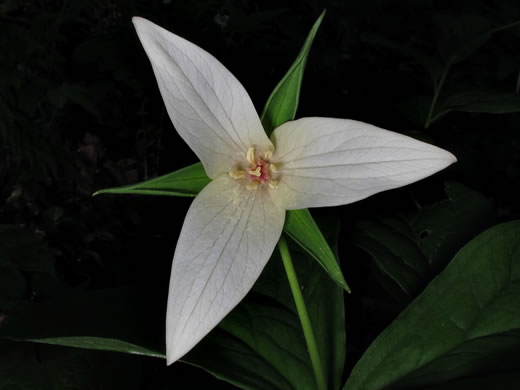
[
  {"x": 237, "y": 174},
  {"x": 252, "y": 185},
  {"x": 251, "y": 155},
  {"x": 268, "y": 154},
  {"x": 273, "y": 184},
  {"x": 255, "y": 172},
  {"x": 273, "y": 167}
]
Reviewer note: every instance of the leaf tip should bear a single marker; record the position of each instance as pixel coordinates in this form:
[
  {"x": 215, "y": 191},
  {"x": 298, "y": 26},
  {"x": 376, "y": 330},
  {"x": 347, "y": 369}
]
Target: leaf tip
[
  {"x": 102, "y": 192},
  {"x": 322, "y": 14}
]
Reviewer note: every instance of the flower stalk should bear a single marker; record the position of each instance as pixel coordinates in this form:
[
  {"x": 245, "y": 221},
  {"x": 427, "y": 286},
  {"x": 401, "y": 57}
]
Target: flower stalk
[{"x": 308, "y": 333}]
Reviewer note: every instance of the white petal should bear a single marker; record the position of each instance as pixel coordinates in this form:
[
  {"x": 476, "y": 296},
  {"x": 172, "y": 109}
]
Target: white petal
[
  {"x": 227, "y": 238},
  {"x": 328, "y": 162},
  {"x": 208, "y": 106}
]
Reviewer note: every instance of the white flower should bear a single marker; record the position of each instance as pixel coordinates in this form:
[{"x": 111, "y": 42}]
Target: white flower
[{"x": 234, "y": 223}]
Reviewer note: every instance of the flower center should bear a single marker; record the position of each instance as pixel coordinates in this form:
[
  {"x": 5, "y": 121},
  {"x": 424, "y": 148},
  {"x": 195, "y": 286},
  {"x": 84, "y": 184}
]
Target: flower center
[{"x": 259, "y": 172}]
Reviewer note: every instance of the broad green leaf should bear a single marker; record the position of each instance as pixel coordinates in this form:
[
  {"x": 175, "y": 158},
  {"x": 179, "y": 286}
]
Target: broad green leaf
[
  {"x": 495, "y": 356},
  {"x": 502, "y": 380},
  {"x": 229, "y": 359},
  {"x": 395, "y": 252},
  {"x": 283, "y": 101},
  {"x": 410, "y": 249},
  {"x": 474, "y": 298},
  {"x": 272, "y": 332},
  {"x": 300, "y": 226},
  {"x": 443, "y": 227},
  {"x": 187, "y": 181},
  {"x": 24, "y": 251}
]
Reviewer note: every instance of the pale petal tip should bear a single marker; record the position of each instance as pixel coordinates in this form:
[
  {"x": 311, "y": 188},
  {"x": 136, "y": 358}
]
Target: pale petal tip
[
  {"x": 177, "y": 347},
  {"x": 173, "y": 354},
  {"x": 141, "y": 24},
  {"x": 170, "y": 359},
  {"x": 452, "y": 158},
  {"x": 443, "y": 157},
  {"x": 449, "y": 158},
  {"x": 138, "y": 19}
]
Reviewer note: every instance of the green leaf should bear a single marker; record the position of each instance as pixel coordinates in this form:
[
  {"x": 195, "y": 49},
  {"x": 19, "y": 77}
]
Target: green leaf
[
  {"x": 410, "y": 249},
  {"x": 505, "y": 381},
  {"x": 494, "y": 356},
  {"x": 188, "y": 181},
  {"x": 475, "y": 298},
  {"x": 442, "y": 228},
  {"x": 277, "y": 356},
  {"x": 300, "y": 226},
  {"x": 283, "y": 101}
]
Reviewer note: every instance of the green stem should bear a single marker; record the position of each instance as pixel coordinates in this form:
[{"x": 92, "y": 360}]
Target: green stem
[
  {"x": 303, "y": 314},
  {"x": 436, "y": 94}
]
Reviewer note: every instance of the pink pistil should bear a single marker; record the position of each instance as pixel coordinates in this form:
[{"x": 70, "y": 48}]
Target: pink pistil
[{"x": 264, "y": 171}]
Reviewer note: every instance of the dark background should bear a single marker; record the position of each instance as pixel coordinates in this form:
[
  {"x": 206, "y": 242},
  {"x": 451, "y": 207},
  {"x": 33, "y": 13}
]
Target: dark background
[{"x": 80, "y": 111}]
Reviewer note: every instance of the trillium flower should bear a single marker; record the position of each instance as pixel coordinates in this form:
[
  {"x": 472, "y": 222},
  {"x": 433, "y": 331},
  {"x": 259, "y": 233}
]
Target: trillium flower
[{"x": 235, "y": 222}]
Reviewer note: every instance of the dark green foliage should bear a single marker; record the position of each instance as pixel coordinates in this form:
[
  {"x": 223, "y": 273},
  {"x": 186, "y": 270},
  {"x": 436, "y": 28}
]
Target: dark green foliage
[
  {"x": 410, "y": 249},
  {"x": 464, "y": 325}
]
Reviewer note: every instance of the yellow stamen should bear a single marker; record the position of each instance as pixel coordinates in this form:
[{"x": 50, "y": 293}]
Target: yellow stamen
[
  {"x": 252, "y": 185},
  {"x": 273, "y": 184},
  {"x": 255, "y": 172},
  {"x": 268, "y": 154},
  {"x": 251, "y": 155},
  {"x": 273, "y": 167},
  {"x": 237, "y": 174}
]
